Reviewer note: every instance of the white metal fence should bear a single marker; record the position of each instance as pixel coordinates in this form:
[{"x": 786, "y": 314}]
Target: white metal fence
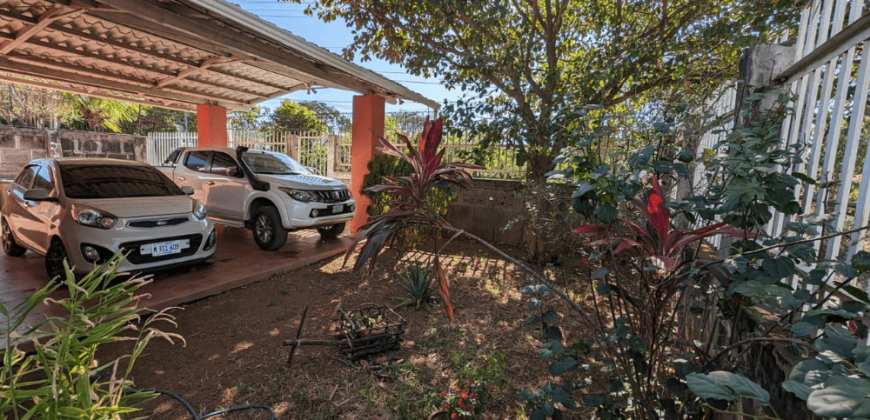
[{"x": 331, "y": 154}]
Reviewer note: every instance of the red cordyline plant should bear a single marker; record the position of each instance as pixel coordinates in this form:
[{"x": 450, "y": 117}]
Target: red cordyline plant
[
  {"x": 409, "y": 199},
  {"x": 655, "y": 241}
]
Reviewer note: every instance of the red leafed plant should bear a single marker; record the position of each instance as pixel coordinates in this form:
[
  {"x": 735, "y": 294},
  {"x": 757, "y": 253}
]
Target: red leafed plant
[
  {"x": 655, "y": 240},
  {"x": 409, "y": 199}
]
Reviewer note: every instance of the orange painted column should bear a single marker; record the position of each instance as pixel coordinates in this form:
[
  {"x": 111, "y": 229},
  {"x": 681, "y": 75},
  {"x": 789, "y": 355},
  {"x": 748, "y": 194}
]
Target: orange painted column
[
  {"x": 211, "y": 125},
  {"x": 368, "y": 125}
]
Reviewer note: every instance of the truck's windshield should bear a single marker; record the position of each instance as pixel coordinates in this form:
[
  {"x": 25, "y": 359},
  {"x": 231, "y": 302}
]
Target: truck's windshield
[{"x": 272, "y": 164}]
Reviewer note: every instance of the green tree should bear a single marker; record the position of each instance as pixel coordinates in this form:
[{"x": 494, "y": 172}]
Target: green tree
[
  {"x": 97, "y": 114},
  {"x": 528, "y": 65},
  {"x": 249, "y": 119},
  {"x": 335, "y": 120},
  {"x": 292, "y": 116}
]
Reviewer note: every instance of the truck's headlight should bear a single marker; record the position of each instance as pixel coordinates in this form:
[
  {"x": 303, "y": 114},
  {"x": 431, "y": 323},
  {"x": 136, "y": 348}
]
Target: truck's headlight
[
  {"x": 299, "y": 195},
  {"x": 92, "y": 217},
  {"x": 199, "y": 210}
]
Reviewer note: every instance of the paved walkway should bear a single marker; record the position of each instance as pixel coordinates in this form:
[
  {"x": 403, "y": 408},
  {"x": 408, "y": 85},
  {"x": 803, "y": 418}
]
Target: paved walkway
[{"x": 237, "y": 262}]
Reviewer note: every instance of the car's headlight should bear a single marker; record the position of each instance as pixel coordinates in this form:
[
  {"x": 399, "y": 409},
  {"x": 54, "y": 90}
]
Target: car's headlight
[
  {"x": 299, "y": 195},
  {"x": 92, "y": 217},
  {"x": 199, "y": 210}
]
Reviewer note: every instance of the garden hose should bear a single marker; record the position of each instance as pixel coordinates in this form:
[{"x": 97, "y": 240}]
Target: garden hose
[{"x": 197, "y": 416}]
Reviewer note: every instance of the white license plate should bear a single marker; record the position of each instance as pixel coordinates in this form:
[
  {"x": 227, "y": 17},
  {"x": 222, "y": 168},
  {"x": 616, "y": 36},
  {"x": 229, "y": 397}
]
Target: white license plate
[
  {"x": 338, "y": 209},
  {"x": 164, "y": 248}
]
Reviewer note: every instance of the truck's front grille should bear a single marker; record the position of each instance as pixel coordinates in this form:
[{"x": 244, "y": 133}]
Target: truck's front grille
[
  {"x": 332, "y": 196},
  {"x": 158, "y": 223},
  {"x": 136, "y": 257}
]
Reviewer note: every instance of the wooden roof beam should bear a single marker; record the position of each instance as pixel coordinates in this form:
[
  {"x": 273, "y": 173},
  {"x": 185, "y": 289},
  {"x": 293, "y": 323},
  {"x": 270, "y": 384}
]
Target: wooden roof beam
[
  {"x": 193, "y": 70},
  {"x": 41, "y": 72},
  {"x": 145, "y": 86},
  {"x": 72, "y": 32},
  {"x": 152, "y": 17},
  {"x": 90, "y": 92},
  {"x": 50, "y": 15}
]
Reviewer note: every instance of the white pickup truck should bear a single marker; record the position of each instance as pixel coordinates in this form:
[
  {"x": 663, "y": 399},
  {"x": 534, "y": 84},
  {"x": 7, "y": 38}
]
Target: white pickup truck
[{"x": 267, "y": 192}]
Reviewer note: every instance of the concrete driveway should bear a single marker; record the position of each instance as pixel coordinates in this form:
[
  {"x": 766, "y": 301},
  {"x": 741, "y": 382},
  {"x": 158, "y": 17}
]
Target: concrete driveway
[{"x": 237, "y": 262}]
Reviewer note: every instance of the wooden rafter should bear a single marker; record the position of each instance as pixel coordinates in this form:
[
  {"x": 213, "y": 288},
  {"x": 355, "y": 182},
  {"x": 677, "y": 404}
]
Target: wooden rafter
[
  {"x": 192, "y": 70},
  {"x": 143, "y": 100},
  {"x": 119, "y": 45},
  {"x": 151, "y": 16},
  {"x": 43, "y": 20}
]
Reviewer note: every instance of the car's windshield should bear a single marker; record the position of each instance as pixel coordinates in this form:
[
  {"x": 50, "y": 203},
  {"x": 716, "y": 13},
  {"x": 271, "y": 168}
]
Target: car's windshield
[
  {"x": 272, "y": 164},
  {"x": 115, "y": 181}
]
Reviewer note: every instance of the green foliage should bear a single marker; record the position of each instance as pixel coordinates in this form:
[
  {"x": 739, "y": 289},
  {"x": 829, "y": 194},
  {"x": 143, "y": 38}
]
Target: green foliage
[
  {"x": 61, "y": 378},
  {"x": 249, "y": 119},
  {"x": 390, "y": 166},
  {"x": 417, "y": 281},
  {"x": 526, "y": 64},
  {"x": 467, "y": 396},
  {"x": 295, "y": 117},
  {"x": 98, "y": 114}
]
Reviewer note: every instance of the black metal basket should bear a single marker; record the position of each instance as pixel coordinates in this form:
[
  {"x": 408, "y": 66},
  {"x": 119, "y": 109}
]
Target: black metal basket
[
  {"x": 369, "y": 330},
  {"x": 359, "y": 333}
]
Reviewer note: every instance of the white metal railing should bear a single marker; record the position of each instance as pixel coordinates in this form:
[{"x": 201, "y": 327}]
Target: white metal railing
[{"x": 314, "y": 150}]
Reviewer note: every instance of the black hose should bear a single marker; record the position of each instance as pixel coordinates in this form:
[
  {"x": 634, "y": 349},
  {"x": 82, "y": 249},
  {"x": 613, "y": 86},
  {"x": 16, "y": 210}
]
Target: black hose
[{"x": 197, "y": 416}]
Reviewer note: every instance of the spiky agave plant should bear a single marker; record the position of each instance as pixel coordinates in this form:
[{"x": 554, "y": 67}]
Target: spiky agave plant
[
  {"x": 409, "y": 203},
  {"x": 417, "y": 281}
]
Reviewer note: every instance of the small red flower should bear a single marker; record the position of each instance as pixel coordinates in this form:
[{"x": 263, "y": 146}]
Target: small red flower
[
  {"x": 473, "y": 395},
  {"x": 490, "y": 387},
  {"x": 446, "y": 406},
  {"x": 437, "y": 383},
  {"x": 464, "y": 394},
  {"x": 468, "y": 382},
  {"x": 454, "y": 416},
  {"x": 455, "y": 388}
]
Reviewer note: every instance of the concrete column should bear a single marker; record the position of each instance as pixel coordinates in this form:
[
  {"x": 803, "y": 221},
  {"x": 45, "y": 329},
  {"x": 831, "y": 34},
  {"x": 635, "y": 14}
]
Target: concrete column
[
  {"x": 368, "y": 125},
  {"x": 211, "y": 125}
]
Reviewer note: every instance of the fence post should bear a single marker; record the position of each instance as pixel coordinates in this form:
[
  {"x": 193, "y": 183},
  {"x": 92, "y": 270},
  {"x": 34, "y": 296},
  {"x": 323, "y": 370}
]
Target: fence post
[
  {"x": 293, "y": 146},
  {"x": 332, "y": 151}
]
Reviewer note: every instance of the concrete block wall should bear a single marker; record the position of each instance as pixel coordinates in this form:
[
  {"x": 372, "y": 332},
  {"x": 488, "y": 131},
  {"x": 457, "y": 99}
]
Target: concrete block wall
[
  {"x": 18, "y": 146},
  {"x": 485, "y": 210},
  {"x": 101, "y": 145}
]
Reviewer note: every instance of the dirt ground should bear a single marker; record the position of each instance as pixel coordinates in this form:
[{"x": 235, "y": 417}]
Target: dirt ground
[{"x": 234, "y": 353}]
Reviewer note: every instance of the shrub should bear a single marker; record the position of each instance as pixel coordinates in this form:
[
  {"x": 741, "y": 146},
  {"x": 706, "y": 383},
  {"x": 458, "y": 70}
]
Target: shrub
[
  {"x": 61, "y": 378},
  {"x": 417, "y": 281}
]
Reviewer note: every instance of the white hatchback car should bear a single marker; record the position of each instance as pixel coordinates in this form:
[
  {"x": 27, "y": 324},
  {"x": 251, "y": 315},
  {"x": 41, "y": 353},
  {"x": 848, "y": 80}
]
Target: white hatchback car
[{"x": 85, "y": 210}]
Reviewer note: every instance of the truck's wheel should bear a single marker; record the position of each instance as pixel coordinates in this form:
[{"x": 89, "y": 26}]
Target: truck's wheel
[
  {"x": 269, "y": 232},
  {"x": 331, "y": 232},
  {"x": 10, "y": 247}
]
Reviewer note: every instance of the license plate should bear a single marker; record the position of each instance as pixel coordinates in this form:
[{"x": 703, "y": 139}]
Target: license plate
[
  {"x": 164, "y": 248},
  {"x": 338, "y": 209}
]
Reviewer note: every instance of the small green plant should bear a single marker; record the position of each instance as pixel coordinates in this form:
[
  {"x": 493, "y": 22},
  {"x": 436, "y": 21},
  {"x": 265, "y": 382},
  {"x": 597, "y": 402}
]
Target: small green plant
[
  {"x": 61, "y": 379},
  {"x": 417, "y": 280},
  {"x": 467, "y": 396}
]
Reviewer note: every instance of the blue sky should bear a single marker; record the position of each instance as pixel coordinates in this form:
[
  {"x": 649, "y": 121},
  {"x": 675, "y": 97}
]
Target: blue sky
[{"x": 334, "y": 36}]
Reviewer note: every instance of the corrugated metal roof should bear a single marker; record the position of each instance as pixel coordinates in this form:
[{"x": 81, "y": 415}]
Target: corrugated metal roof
[{"x": 170, "y": 53}]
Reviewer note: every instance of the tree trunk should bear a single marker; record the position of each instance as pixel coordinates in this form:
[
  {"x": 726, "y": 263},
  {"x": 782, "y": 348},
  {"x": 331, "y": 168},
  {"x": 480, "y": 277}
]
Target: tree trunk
[{"x": 534, "y": 232}]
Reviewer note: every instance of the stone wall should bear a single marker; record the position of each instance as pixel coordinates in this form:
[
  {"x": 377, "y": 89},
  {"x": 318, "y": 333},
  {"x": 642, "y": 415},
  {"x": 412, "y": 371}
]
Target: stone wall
[
  {"x": 101, "y": 145},
  {"x": 486, "y": 209},
  {"x": 18, "y": 146}
]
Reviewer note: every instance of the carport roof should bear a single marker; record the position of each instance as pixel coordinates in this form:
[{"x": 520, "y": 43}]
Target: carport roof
[{"x": 170, "y": 53}]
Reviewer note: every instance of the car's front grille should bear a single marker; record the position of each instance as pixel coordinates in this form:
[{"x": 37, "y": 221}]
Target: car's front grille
[
  {"x": 332, "y": 196},
  {"x": 158, "y": 223},
  {"x": 136, "y": 257}
]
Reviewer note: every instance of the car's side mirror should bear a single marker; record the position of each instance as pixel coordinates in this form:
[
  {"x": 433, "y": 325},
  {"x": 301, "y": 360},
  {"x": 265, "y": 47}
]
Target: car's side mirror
[
  {"x": 187, "y": 190},
  {"x": 37, "y": 194},
  {"x": 233, "y": 171}
]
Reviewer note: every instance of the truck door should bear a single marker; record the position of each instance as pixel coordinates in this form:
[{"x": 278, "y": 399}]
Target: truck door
[
  {"x": 189, "y": 172},
  {"x": 225, "y": 188}
]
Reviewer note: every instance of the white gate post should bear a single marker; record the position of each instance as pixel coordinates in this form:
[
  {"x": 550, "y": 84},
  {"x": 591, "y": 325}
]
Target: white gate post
[
  {"x": 331, "y": 153},
  {"x": 293, "y": 146}
]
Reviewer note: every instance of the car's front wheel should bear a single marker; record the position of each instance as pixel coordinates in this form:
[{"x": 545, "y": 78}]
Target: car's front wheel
[
  {"x": 10, "y": 247},
  {"x": 331, "y": 232},
  {"x": 54, "y": 259},
  {"x": 269, "y": 232}
]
